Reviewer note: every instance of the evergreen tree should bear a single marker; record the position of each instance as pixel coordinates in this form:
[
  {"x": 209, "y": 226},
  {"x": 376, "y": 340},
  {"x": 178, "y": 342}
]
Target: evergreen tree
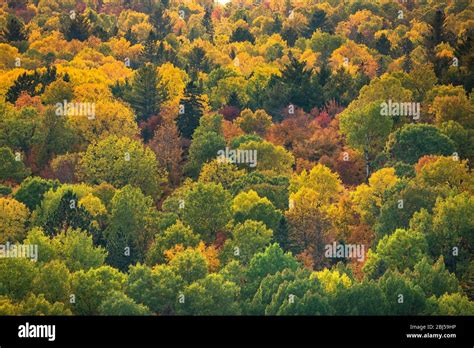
[
  {"x": 144, "y": 97},
  {"x": 242, "y": 34},
  {"x": 234, "y": 100},
  {"x": 207, "y": 23},
  {"x": 14, "y": 30},
  {"x": 191, "y": 110},
  {"x": 29, "y": 83},
  {"x": 383, "y": 45},
  {"x": 161, "y": 22},
  {"x": 297, "y": 80},
  {"x": 290, "y": 35},
  {"x": 197, "y": 60},
  {"x": 76, "y": 27}
]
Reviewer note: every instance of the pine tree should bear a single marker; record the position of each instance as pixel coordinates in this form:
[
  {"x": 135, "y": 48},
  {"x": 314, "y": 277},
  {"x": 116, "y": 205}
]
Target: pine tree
[
  {"x": 191, "y": 110},
  {"x": 207, "y": 23},
  {"x": 14, "y": 30},
  {"x": 145, "y": 98},
  {"x": 29, "y": 83},
  {"x": 383, "y": 45},
  {"x": 234, "y": 100},
  {"x": 298, "y": 81},
  {"x": 76, "y": 28},
  {"x": 161, "y": 22},
  {"x": 150, "y": 51}
]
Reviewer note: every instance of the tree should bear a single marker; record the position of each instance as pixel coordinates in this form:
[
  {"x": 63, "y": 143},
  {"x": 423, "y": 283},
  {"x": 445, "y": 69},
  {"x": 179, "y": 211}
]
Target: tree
[
  {"x": 190, "y": 264},
  {"x": 11, "y": 166},
  {"x": 62, "y": 210},
  {"x": 453, "y": 304},
  {"x": 412, "y": 141},
  {"x": 157, "y": 288},
  {"x": 448, "y": 230},
  {"x": 53, "y": 281},
  {"x": 241, "y": 34},
  {"x": 400, "y": 205},
  {"x": 207, "y": 141},
  {"x": 76, "y": 249},
  {"x": 91, "y": 288},
  {"x": 403, "y": 297},
  {"x": 117, "y": 303},
  {"x": 402, "y": 249},
  {"x": 366, "y": 130},
  {"x": 173, "y": 235},
  {"x": 16, "y": 277},
  {"x": 128, "y": 233},
  {"x": 272, "y": 260},
  {"x": 13, "y": 219},
  {"x": 167, "y": 147},
  {"x": 207, "y": 209},
  {"x": 220, "y": 172},
  {"x": 33, "y": 83},
  {"x": 14, "y": 30},
  {"x": 123, "y": 161},
  {"x": 144, "y": 97},
  {"x": 75, "y": 27},
  {"x": 383, "y": 45},
  {"x": 269, "y": 157},
  {"x": 161, "y": 22},
  {"x": 257, "y": 123},
  {"x": 434, "y": 278},
  {"x": 191, "y": 110},
  {"x": 365, "y": 298},
  {"x": 212, "y": 295},
  {"x": 320, "y": 179},
  {"x": 37, "y": 305},
  {"x": 247, "y": 239},
  {"x": 250, "y": 206},
  {"x": 207, "y": 23}
]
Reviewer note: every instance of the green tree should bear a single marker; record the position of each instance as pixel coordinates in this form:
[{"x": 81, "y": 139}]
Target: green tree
[
  {"x": 191, "y": 110},
  {"x": 173, "y": 235},
  {"x": 434, "y": 278},
  {"x": 403, "y": 297},
  {"x": 207, "y": 209},
  {"x": 123, "y": 161},
  {"x": 365, "y": 298},
  {"x": 16, "y": 277},
  {"x": 270, "y": 261},
  {"x": 75, "y": 27},
  {"x": 117, "y": 303},
  {"x": 250, "y": 206},
  {"x": 53, "y": 281},
  {"x": 366, "y": 130},
  {"x": 413, "y": 141},
  {"x": 145, "y": 98},
  {"x": 11, "y": 166},
  {"x": 212, "y": 295},
  {"x": 37, "y": 305},
  {"x": 157, "y": 288},
  {"x": 128, "y": 233},
  {"x": 402, "y": 249},
  {"x": 247, "y": 239},
  {"x": 32, "y": 190},
  {"x": 91, "y": 288},
  {"x": 14, "y": 30},
  {"x": 190, "y": 264}
]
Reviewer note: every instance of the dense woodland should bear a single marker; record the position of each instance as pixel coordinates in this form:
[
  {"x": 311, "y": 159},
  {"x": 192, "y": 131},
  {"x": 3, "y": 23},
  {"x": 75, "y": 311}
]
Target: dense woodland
[{"x": 134, "y": 213}]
